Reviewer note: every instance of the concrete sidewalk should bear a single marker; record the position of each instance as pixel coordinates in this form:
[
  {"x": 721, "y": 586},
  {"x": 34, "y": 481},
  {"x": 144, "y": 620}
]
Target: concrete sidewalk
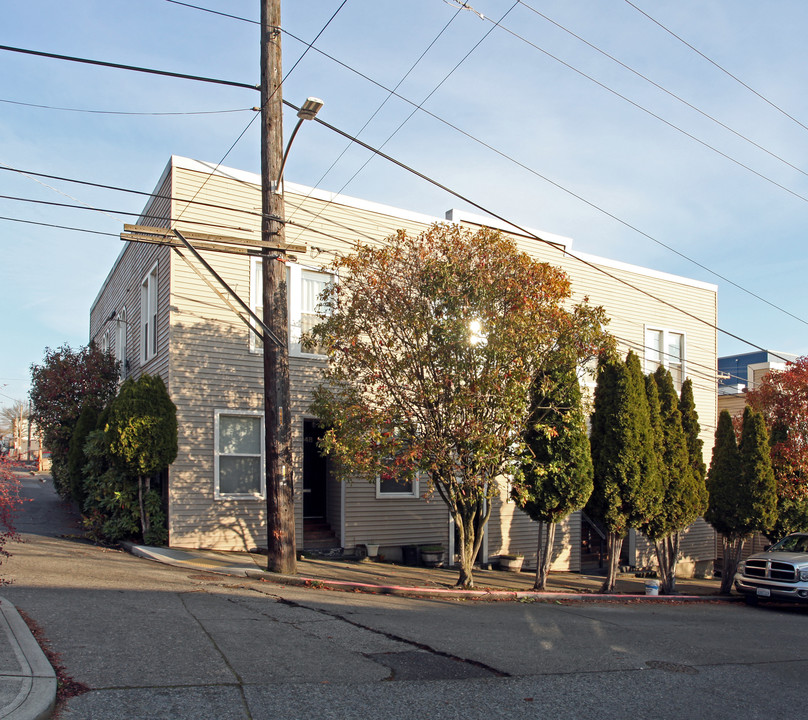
[
  {"x": 388, "y": 578},
  {"x": 27, "y": 680}
]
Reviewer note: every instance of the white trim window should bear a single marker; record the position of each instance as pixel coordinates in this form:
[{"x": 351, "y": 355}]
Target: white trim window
[
  {"x": 388, "y": 485},
  {"x": 238, "y": 454},
  {"x": 304, "y": 285},
  {"x": 120, "y": 342},
  {"x": 666, "y": 348},
  {"x": 105, "y": 342},
  {"x": 148, "y": 315}
]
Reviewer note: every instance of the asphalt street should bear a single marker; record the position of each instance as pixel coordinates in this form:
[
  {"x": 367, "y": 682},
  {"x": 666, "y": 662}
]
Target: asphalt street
[{"x": 153, "y": 641}]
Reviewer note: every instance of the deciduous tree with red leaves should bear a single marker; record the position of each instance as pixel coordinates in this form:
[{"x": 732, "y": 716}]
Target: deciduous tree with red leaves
[
  {"x": 9, "y": 504},
  {"x": 782, "y": 397},
  {"x": 61, "y": 386}
]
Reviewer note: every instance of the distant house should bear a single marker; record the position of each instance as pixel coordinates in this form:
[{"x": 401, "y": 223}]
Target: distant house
[
  {"x": 739, "y": 373},
  {"x": 161, "y": 312}
]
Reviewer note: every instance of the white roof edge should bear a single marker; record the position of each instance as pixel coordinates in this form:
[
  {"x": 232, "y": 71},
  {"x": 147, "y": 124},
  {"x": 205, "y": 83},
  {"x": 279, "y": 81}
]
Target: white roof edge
[
  {"x": 169, "y": 165},
  {"x": 455, "y": 215},
  {"x": 648, "y": 272},
  {"x": 452, "y": 215},
  {"x": 316, "y": 193}
]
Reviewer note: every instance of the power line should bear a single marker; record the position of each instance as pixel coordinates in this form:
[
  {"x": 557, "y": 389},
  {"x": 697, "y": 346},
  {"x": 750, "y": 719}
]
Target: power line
[
  {"x": 484, "y": 144},
  {"x": 530, "y": 234},
  {"x": 389, "y": 158},
  {"x": 58, "y": 227},
  {"x": 131, "y": 191},
  {"x": 663, "y": 89},
  {"x": 552, "y": 182},
  {"x": 715, "y": 64},
  {"x": 133, "y": 68},
  {"x": 121, "y": 112},
  {"x": 118, "y": 212},
  {"x": 214, "y": 12},
  {"x": 383, "y": 103},
  {"x": 654, "y": 115}
]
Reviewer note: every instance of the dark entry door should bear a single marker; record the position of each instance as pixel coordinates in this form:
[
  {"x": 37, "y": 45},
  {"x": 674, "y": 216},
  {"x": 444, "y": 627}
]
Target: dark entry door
[{"x": 315, "y": 472}]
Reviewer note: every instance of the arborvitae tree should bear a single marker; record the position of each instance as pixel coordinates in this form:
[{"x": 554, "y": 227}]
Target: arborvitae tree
[
  {"x": 684, "y": 496},
  {"x": 740, "y": 500},
  {"x": 76, "y": 459},
  {"x": 756, "y": 471},
  {"x": 556, "y": 474},
  {"x": 627, "y": 491},
  {"x": 142, "y": 432},
  {"x": 692, "y": 429}
]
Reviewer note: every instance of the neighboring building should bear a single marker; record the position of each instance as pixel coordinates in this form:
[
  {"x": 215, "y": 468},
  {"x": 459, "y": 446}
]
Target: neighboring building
[
  {"x": 160, "y": 312},
  {"x": 739, "y": 373}
]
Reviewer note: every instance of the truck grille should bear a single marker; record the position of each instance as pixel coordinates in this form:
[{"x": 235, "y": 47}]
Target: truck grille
[{"x": 773, "y": 570}]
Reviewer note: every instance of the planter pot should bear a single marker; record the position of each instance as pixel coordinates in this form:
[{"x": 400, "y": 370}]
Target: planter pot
[
  {"x": 511, "y": 564},
  {"x": 373, "y": 549},
  {"x": 431, "y": 558}
]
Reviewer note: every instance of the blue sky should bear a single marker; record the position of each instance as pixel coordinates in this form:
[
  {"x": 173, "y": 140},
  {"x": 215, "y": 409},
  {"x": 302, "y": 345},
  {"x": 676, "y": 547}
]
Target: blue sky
[{"x": 718, "y": 199}]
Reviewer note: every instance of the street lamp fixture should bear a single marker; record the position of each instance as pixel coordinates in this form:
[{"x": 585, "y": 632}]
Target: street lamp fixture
[{"x": 308, "y": 111}]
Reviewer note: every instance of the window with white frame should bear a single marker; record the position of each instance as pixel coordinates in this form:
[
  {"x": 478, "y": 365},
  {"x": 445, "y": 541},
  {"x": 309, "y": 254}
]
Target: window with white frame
[
  {"x": 390, "y": 484},
  {"x": 148, "y": 315},
  {"x": 397, "y": 478},
  {"x": 105, "y": 342},
  {"x": 238, "y": 454},
  {"x": 303, "y": 288},
  {"x": 120, "y": 342},
  {"x": 666, "y": 348}
]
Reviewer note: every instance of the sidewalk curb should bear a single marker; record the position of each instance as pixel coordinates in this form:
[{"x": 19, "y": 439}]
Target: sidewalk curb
[
  {"x": 164, "y": 556},
  {"x": 36, "y": 699}
]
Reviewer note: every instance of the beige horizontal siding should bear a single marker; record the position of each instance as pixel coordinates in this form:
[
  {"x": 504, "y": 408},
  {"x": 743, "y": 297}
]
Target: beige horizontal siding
[{"x": 210, "y": 365}]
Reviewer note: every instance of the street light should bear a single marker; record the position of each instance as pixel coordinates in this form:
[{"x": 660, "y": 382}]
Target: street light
[{"x": 308, "y": 111}]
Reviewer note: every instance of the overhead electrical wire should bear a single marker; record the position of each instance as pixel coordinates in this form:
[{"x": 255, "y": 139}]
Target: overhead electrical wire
[
  {"x": 411, "y": 170},
  {"x": 721, "y": 68},
  {"x": 663, "y": 89},
  {"x": 280, "y": 85},
  {"x": 454, "y": 127},
  {"x": 123, "y": 112},
  {"x": 384, "y": 102},
  {"x": 429, "y": 95},
  {"x": 531, "y": 234},
  {"x": 652, "y": 114},
  {"x": 555, "y": 184}
]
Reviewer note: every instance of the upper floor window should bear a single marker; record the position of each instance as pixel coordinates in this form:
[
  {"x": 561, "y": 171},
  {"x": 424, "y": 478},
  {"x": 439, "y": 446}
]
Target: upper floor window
[
  {"x": 666, "y": 348},
  {"x": 303, "y": 287},
  {"x": 105, "y": 342},
  {"x": 148, "y": 315}
]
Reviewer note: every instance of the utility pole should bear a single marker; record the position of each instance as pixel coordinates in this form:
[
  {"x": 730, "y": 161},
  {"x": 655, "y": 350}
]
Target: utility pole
[{"x": 280, "y": 520}]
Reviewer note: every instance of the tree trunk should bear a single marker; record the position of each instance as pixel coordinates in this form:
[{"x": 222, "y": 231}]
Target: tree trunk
[
  {"x": 667, "y": 552},
  {"x": 732, "y": 549},
  {"x": 470, "y": 520},
  {"x": 144, "y": 518},
  {"x": 614, "y": 544},
  {"x": 544, "y": 556}
]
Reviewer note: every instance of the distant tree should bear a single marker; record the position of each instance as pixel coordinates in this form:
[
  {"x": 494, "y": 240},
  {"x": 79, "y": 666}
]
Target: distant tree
[
  {"x": 692, "y": 430},
  {"x": 782, "y": 397},
  {"x": 741, "y": 491},
  {"x": 556, "y": 472},
  {"x": 684, "y": 495},
  {"x": 61, "y": 386},
  {"x": 13, "y": 421},
  {"x": 433, "y": 341},
  {"x": 142, "y": 433},
  {"x": 627, "y": 490}
]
